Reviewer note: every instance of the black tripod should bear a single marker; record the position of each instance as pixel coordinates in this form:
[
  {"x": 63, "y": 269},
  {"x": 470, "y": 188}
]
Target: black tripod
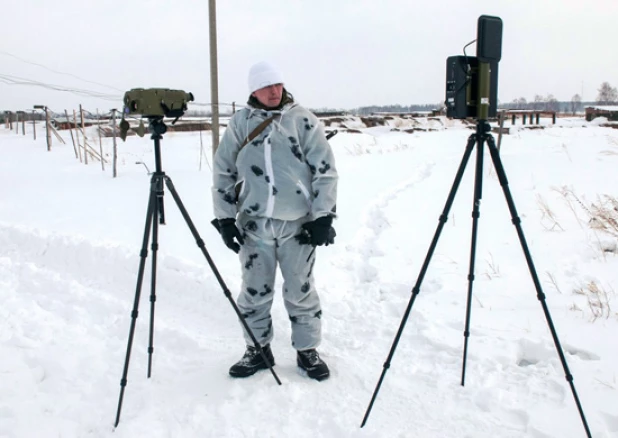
[
  {"x": 479, "y": 138},
  {"x": 155, "y": 216}
]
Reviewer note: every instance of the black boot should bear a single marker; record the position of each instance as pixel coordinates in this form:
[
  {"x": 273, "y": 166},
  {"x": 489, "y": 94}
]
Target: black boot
[
  {"x": 310, "y": 362},
  {"x": 252, "y": 362}
]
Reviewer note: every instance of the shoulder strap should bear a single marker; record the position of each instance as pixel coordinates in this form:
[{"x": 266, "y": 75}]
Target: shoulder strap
[{"x": 257, "y": 131}]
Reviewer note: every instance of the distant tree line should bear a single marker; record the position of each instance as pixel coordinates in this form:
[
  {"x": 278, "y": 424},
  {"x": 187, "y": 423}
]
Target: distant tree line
[
  {"x": 546, "y": 103},
  {"x": 607, "y": 95},
  {"x": 365, "y": 110},
  {"x": 396, "y": 108}
]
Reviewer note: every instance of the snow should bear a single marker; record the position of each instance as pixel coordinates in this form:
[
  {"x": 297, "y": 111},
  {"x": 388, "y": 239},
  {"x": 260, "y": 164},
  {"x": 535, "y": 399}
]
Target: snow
[{"x": 70, "y": 238}]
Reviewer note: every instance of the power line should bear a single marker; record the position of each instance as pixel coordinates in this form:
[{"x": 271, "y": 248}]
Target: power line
[
  {"x": 15, "y": 80},
  {"x": 2, "y": 52}
]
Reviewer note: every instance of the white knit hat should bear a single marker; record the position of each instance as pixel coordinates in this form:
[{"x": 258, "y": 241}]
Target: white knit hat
[{"x": 262, "y": 75}]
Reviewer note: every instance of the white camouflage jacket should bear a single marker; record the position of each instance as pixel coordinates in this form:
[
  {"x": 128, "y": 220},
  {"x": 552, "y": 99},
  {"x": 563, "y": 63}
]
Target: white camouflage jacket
[{"x": 287, "y": 172}]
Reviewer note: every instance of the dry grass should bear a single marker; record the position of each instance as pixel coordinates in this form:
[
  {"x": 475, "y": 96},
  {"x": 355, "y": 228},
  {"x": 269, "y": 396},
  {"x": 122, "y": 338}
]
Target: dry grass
[
  {"x": 493, "y": 268},
  {"x": 548, "y": 218},
  {"x": 372, "y": 148},
  {"x": 566, "y": 151},
  {"x": 609, "y": 152},
  {"x": 569, "y": 197},
  {"x": 598, "y": 300},
  {"x": 602, "y": 217},
  {"x": 602, "y": 214},
  {"x": 553, "y": 281}
]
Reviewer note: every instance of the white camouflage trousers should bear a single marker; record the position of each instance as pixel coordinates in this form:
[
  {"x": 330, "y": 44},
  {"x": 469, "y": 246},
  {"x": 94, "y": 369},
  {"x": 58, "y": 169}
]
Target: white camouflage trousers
[{"x": 268, "y": 243}]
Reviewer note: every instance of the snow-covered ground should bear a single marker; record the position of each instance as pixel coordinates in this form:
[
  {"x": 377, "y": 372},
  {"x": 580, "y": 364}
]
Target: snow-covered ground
[{"x": 70, "y": 237}]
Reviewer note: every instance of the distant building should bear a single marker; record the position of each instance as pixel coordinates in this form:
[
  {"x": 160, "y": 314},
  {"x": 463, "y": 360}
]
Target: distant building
[
  {"x": 64, "y": 123},
  {"x": 319, "y": 113},
  {"x": 611, "y": 112}
]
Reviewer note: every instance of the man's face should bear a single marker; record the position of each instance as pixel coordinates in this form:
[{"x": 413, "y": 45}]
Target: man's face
[{"x": 269, "y": 96}]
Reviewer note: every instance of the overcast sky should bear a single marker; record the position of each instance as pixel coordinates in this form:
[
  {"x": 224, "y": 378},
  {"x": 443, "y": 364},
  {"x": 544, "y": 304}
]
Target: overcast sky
[{"x": 332, "y": 53}]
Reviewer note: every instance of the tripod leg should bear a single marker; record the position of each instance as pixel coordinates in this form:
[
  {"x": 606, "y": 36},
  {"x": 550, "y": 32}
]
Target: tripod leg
[
  {"x": 158, "y": 210},
  {"x": 140, "y": 276},
  {"x": 158, "y": 176},
  {"x": 421, "y": 276},
  {"x": 495, "y": 156},
  {"x": 476, "y": 213},
  {"x": 226, "y": 291}
]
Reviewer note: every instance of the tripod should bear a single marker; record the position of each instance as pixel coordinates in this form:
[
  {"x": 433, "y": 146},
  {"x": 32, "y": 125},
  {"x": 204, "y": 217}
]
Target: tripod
[
  {"x": 478, "y": 139},
  {"x": 156, "y": 215}
]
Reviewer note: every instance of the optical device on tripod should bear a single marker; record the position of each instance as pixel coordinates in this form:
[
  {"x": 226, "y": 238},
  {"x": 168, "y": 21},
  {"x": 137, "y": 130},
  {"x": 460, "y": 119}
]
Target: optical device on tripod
[
  {"x": 155, "y": 104},
  {"x": 471, "y": 92},
  {"x": 472, "y": 81}
]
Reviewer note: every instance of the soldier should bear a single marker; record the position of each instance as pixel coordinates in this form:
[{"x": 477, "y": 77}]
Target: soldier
[{"x": 274, "y": 196}]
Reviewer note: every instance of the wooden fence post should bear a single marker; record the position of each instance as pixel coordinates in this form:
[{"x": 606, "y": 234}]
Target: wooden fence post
[
  {"x": 79, "y": 148},
  {"x": 100, "y": 141},
  {"x": 47, "y": 122},
  {"x": 81, "y": 113},
  {"x": 501, "y": 128},
  {"x": 23, "y": 122},
  {"x": 201, "y": 147},
  {"x": 71, "y": 131},
  {"x": 114, "y": 154},
  {"x": 33, "y": 124}
]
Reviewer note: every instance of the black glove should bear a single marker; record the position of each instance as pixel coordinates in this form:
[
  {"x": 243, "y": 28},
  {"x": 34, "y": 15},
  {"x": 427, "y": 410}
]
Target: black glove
[
  {"x": 317, "y": 232},
  {"x": 228, "y": 230}
]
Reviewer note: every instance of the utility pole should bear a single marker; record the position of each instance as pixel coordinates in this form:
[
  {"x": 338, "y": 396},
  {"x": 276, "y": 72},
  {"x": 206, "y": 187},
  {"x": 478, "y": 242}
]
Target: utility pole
[{"x": 214, "y": 78}]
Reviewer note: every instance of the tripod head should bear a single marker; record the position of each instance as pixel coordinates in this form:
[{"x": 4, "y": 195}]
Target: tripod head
[{"x": 157, "y": 126}]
